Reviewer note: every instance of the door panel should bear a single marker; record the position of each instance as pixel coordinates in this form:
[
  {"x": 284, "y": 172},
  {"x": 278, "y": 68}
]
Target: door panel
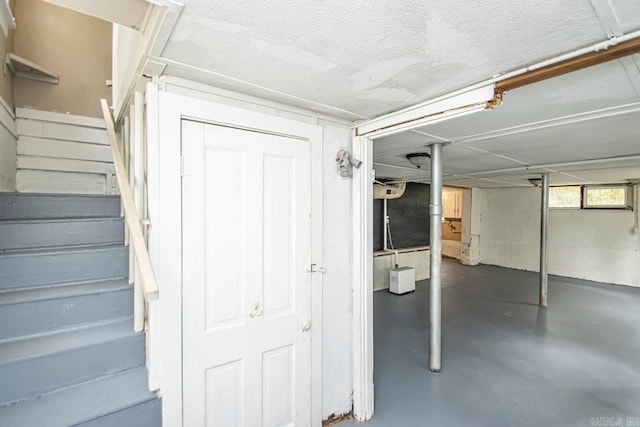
[
  {"x": 246, "y": 297},
  {"x": 278, "y": 381},
  {"x": 225, "y": 391},
  {"x": 279, "y": 234},
  {"x": 225, "y": 288}
]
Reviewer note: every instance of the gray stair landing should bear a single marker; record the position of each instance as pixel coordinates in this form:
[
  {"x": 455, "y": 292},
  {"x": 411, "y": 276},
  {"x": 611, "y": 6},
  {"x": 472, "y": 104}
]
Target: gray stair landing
[{"x": 68, "y": 351}]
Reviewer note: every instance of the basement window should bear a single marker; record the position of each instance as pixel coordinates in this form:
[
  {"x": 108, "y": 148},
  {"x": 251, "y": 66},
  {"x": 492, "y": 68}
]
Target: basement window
[
  {"x": 566, "y": 197},
  {"x": 612, "y": 196},
  {"x": 606, "y": 196}
]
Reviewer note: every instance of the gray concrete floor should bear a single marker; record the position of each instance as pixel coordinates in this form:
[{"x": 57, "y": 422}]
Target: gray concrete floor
[{"x": 507, "y": 362}]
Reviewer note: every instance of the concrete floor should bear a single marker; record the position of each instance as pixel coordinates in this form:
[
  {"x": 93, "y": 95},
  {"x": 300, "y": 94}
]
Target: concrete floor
[{"x": 507, "y": 362}]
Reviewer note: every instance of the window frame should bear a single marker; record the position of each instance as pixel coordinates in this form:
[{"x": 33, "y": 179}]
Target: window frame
[
  {"x": 628, "y": 196},
  {"x": 568, "y": 207}
]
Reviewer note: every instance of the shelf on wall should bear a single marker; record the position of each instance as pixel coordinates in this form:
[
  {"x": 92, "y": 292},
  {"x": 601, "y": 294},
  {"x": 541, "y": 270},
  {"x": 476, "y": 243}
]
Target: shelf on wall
[{"x": 21, "y": 67}]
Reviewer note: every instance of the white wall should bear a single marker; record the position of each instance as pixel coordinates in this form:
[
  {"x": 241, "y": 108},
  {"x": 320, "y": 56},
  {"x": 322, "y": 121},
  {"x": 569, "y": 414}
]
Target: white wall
[
  {"x": 587, "y": 244},
  {"x": 337, "y": 293},
  {"x": 8, "y": 137}
]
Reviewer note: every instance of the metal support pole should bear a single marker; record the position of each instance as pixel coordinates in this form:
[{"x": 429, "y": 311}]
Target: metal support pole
[
  {"x": 435, "y": 235},
  {"x": 543, "y": 240},
  {"x": 385, "y": 222}
]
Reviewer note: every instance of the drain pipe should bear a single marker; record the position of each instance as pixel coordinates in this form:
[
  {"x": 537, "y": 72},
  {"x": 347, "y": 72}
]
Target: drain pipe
[
  {"x": 435, "y": 211},
  {"x": 543, "y": 240}
]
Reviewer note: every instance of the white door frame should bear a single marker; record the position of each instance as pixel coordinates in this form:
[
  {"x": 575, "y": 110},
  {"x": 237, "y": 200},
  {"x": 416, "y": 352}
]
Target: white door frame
[
  {"x": 166, "y": 112},
  {"x": 457, "y": 104},
  {"x": 363, "y": 405}
]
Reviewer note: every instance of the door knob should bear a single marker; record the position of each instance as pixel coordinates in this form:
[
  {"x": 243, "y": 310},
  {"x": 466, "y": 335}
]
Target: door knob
[
  {"x": 257, "y": 311},
  {"x": 306, "y": 325}
]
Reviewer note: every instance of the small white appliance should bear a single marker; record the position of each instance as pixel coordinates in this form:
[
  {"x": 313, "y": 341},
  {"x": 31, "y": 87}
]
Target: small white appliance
[{"x": 402, "y": 280}]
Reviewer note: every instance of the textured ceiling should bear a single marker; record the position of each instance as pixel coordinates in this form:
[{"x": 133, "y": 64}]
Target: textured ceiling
[
  {"x": 361, "y": 59},
  {"x": 364, "y": 58},
  {"x": 592, "y": 114}
]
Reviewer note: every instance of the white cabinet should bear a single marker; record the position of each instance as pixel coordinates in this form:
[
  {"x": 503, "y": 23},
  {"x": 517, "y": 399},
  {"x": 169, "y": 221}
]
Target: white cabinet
[{"x": 452, "y": 203}]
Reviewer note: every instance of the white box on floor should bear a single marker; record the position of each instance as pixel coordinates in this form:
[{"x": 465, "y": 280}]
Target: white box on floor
[{"x": 402, "y": 280}]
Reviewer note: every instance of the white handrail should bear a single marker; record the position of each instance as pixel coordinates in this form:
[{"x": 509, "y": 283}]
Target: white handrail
[{"x": 149, "y": 283}]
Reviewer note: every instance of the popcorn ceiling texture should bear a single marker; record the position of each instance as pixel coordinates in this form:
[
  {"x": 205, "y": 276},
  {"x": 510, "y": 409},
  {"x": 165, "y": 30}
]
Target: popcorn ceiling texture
[{"x": 372, "y": 57}]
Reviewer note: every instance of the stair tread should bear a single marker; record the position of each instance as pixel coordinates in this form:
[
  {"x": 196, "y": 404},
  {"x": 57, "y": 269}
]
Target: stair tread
[
  {"x": 65, "y": 290},
  {"x": 56, "y": 250},
  {"x": 81, "y": 402},
  {"x": 65, "y": 340},
  {"x": 41, "y": 220}
]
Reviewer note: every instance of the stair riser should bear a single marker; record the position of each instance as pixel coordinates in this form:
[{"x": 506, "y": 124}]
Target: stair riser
[
  {"x": 39, "y": 317},
  {"x": 23, "y": 205},
  {"x": 146, "y": 414},
  {"x": 38, "y": 269},
  {"x": 33, "y": 377},
  {"x": 27, "y": 235}
]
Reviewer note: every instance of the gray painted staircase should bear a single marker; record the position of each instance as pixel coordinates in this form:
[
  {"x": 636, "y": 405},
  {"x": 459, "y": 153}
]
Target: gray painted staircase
[{"x": 68, "y": 352}]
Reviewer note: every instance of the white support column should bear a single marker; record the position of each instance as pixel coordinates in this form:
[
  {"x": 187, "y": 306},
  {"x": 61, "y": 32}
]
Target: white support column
[{"x": 435, "y": 285}]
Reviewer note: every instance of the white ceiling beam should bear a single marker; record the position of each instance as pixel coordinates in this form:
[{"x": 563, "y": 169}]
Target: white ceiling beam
[
  {"x": 428, "y": 112},
  {"x": 489, "y": 153},
  {"x": 607, "y": 17},
  {"x": 437, "y": 138},
  {"x": 533, "y": 168},
  {"x": 549, "y": 123},
  {"x": 129, "y": 13},
  {"x": 631, "y": 65}
]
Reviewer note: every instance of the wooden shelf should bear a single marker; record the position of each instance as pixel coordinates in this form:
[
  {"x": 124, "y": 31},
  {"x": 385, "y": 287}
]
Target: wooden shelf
[{"x": 21, "y": 67}]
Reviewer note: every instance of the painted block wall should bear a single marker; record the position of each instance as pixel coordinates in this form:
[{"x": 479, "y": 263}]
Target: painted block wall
[{"x": 586, "y": 244}]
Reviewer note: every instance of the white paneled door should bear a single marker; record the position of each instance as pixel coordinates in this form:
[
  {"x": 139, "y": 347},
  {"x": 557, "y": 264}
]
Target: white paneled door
[{"x": 246, "y": 306}]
